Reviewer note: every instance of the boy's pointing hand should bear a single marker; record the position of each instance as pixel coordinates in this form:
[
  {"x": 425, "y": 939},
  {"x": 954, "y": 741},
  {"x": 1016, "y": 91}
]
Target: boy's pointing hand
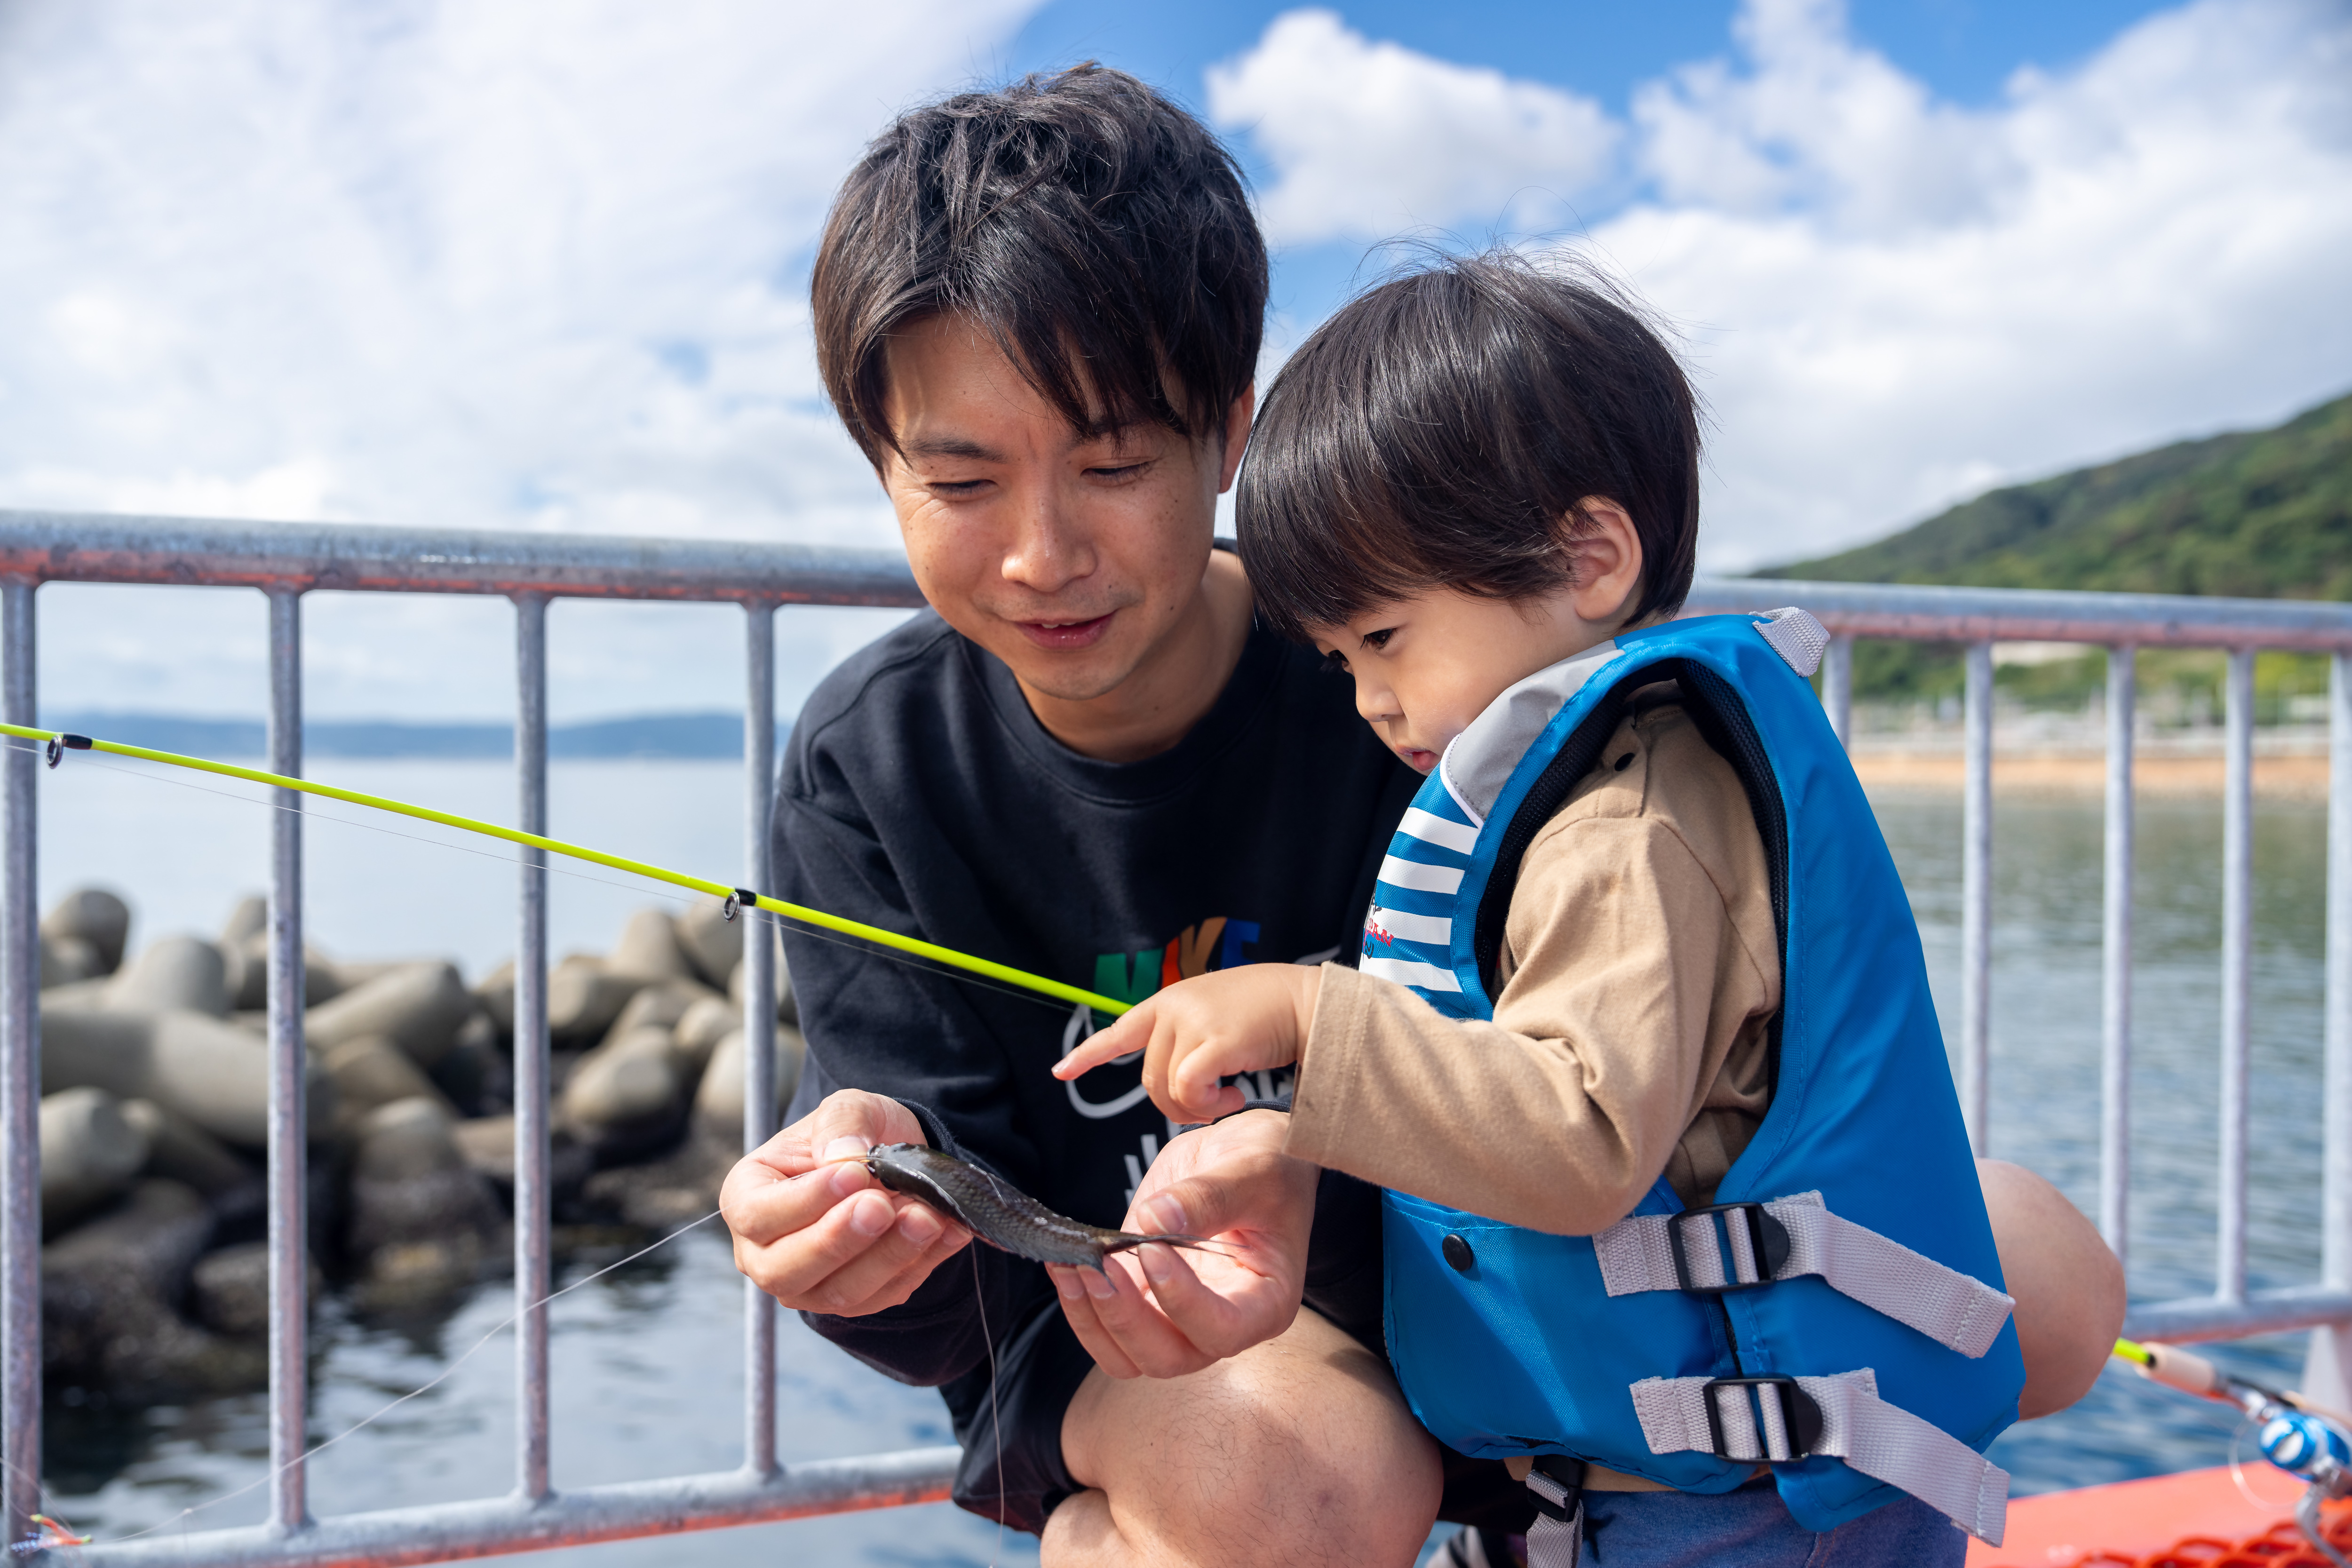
[{"x": 1199, "y": 1031}]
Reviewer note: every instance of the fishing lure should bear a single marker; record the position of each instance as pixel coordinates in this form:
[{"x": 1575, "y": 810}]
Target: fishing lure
[
  {"x": 50, "y": 1536},
  {"x": 1001, "y": 1214}
]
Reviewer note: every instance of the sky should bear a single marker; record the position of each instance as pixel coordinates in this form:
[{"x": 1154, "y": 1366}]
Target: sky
[{"x": 516, "y": 264}]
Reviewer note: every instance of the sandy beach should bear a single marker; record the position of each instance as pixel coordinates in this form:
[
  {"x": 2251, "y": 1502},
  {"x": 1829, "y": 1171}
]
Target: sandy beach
[{"x": 2286, "y": 766}]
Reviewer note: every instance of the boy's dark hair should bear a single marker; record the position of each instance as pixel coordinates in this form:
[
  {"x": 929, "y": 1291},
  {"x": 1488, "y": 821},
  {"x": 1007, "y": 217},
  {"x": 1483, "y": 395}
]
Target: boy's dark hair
[
  {"x": 1098, "y": 233},
  {"x": 1439, "y": 431}
]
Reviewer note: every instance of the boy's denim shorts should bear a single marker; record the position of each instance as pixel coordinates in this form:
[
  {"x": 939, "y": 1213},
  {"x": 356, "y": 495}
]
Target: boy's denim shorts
[{"x": 1751, "y": 1528}]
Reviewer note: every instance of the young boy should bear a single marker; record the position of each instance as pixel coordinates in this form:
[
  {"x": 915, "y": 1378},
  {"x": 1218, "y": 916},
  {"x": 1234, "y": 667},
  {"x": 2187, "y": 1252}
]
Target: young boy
[{"x": 1680, "y": 1217}]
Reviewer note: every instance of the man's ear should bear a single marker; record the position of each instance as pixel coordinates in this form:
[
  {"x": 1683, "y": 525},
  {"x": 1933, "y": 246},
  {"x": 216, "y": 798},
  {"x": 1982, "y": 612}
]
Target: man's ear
[
  {"x": 1233, "y": 435},
  {"x": 1606, "y": 580}
]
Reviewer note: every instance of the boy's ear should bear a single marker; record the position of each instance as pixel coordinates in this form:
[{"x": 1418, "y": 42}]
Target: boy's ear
[
  {"x": 1234, "y": 435},
  {"x": 1605, "y": 581}
]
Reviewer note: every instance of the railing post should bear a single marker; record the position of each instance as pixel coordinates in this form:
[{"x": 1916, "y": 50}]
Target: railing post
[
  {"x": 20, "y": 1079},
  {"x": 759, "y": 1012},
  {"x": 1975, "y": 902},
  {"x": 2237, "y": 944},
  {"x": 2327, "y": 1370},
  {"x": 532, "y": 1200},
  {"x": 1837, "y": 688},
  {"x": 289, "y": 1229},
  {"x": 2116, "y": 961}
]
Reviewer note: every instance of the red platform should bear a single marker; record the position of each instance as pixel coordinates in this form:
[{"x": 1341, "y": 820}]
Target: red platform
[{"x": 2196, "y": 1519}]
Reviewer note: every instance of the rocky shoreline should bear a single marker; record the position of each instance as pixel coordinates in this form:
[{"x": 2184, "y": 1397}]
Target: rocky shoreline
[{"x": 154, "y": 1085}]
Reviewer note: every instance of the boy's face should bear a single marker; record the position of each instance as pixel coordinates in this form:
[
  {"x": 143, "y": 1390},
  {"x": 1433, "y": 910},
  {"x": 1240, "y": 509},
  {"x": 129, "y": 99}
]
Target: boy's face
[
  {"x": 1427, "y": 666},
  {"x": 1074, "y": 560}
]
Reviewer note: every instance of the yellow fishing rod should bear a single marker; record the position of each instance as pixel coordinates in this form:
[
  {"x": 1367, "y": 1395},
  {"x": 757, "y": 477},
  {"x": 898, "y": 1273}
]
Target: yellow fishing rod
[{"x": 58, "y": 744}]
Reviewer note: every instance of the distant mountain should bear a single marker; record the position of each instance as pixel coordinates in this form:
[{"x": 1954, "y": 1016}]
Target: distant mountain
[
  {"x": 2260, "y": 514},
  {"x": 681, "y": 735},
  {"x": 652, "y": 735}
]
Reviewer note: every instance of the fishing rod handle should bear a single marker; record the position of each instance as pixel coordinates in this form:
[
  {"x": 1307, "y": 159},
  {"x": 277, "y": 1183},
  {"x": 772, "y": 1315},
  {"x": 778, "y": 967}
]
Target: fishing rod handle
[{"x": 2191, "y": 1374}]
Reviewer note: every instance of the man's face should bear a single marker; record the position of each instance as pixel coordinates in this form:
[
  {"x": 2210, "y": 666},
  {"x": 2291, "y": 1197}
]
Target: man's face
[{"x": 1070, "y": 559}]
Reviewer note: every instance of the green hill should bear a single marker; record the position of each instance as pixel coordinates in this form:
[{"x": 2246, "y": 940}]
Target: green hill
[{"x": 2260, "y": 514}]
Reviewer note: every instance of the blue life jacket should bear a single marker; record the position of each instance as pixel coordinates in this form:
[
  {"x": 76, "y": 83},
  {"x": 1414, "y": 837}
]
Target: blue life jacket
[{"x": 1837, "y": 1314}]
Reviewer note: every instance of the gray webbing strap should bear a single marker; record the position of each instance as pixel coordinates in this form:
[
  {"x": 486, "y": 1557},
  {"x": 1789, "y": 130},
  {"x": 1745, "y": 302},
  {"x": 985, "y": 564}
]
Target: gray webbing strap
[
  {"x": 1951, "y": 1307},
  {"x": 1555, "y": 1542},
  {"x": 1881, "y": 1440}
]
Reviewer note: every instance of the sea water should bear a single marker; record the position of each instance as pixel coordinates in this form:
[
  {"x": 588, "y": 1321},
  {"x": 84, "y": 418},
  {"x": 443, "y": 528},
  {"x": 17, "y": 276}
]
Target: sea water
[{"x": 648, "y": 1358}]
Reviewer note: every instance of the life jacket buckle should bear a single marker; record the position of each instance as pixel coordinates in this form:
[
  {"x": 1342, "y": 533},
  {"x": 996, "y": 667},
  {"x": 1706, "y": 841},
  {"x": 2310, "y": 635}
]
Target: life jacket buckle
[
  {"x": 1767, "y": 1247},
  {"x": 1800, "y": 1417},
  {"x": 1563, "y": 1501}
]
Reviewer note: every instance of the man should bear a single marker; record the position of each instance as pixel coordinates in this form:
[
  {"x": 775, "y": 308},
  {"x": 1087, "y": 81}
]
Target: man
[{"x": 1039, "y": 312}]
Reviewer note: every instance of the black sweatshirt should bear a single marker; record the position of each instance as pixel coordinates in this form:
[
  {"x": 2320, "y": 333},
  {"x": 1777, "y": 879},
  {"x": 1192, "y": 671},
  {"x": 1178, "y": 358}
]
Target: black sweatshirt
[{"x": 920, "y": 794}]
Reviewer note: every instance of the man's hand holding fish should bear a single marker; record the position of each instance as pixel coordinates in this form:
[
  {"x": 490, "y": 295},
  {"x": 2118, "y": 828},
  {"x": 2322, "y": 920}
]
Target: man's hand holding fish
[
  {"x": 1159, "y": 1312},
  {"x": 816, "y": 1231}
]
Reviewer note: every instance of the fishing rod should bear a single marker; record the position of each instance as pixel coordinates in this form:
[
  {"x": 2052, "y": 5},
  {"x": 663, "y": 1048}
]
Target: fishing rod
[
  {"x": 2307, "y": 1441},
  {"x": 57, "y": 743},
  {"x": 52, "y": 1532}
]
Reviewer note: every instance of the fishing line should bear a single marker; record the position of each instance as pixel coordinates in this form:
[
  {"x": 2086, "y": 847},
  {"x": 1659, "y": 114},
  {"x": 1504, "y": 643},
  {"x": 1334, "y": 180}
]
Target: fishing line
[
  {"x": 980, "y": 1297},
  {"x": 818, "y": 933},
  {"x": 309, "y": 814},
  {"x": 2238, "y": 1470},
  {"x": 814, "y": 922},
  {"x": 995, "y": 1427},
  {"x": 815, "y": 933},
  {"x": 917, "y": 964},
  {"x": 443, "y": 1375},
  {"x": 56, "y": 744}
]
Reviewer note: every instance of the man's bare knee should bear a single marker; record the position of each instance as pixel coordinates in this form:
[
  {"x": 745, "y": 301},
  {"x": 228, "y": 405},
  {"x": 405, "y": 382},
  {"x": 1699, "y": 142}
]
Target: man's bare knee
[
  {"x": 1081, "y": 1530},
  {"x": 2069, "y": 1287},
  {"x": 1299, "y": 1451}
]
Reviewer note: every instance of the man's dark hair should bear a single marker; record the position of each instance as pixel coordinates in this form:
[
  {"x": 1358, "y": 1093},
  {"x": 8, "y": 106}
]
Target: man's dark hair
[
  {"x": 1439, "y": 431},
  {"x": 1098, "y": 233}
]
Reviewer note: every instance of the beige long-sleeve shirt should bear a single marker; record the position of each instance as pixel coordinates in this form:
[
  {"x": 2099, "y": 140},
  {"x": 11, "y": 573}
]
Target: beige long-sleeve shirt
[{"x": 1640, "y": 970}]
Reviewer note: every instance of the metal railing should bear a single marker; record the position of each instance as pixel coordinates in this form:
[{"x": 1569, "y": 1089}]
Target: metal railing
[
  {"x": 285, "y": 562},
  {"x": 2122, "y": 624}
]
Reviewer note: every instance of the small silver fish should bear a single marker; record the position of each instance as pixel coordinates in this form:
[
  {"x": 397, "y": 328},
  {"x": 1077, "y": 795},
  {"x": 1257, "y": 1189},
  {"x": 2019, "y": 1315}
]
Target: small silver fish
[{"x": 999, "y": 1213}]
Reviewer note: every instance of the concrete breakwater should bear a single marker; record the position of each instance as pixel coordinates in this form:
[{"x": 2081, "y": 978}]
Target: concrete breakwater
[{"x": 154, "y": 1083}]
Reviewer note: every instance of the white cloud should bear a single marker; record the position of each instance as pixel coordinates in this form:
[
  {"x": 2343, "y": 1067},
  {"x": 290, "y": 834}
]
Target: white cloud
[
  {"x": 1367, "y": 138},
  {"x": 1893, "y": 303},
  {"x": 494, "y": 265},
  {"x": 1817, "y": 124},
  {"x": 520, "y": 263},
  {"x": 1916, "y": 303}
]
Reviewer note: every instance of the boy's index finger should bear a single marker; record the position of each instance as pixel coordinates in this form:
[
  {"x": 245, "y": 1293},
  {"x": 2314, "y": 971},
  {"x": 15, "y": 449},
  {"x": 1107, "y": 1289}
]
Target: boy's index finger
[
  {"x": 1086, "y": 1059},
  {"x": 1107, "y": 1046}
]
